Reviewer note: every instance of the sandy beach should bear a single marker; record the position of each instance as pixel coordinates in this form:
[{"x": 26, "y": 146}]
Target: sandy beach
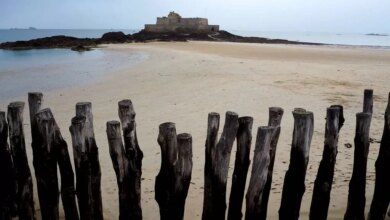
[{"x": 183, "y": 82}]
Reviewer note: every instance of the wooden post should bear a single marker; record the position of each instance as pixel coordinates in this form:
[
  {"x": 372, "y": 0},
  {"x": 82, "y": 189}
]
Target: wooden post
[
  {"x": 62, "y": 155},
  {"x": 274, "y": 120},
  {"x": 24, "y": 200},
  {"x": 214, "y": 204},
  {"x": 84, "y": 109},
  {"x": 368, "y": 101},
  {"x": 7, "y": 174},
  {"x": 381, "y": 198},
  {"x": 35, "y": 100},
  {"x": 165, "y": 181},
  {"x": 324, "y": 180},
  {"x": 85, "y": 181},
  {"x": 211, "y": 142},
  {"x": 134, "y": 157},
  {"x": 244, "y": 140},
  {"x": 261, "y": 161},
  {"x": 45, "y": 164},
  {"x": 294, "y": 181},
  {"x": 183, "y": 171},
  {"x": 357, "y": 185},
  {"x": 173, "y": 180},
  {"x": 121, "y": 167}
]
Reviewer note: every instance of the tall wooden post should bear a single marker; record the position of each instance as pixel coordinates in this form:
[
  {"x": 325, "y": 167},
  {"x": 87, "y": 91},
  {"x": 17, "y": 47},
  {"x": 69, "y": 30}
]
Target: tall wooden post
[
  {"x": 381, "y": 199},
  {"x": 368, "y": 100},
  {"x": 45, "y": 164},
  {"x": 211, "y": 142},
  {"x": 173, "y": 180},
  {"x": 214, "y": 204},
  {"x": 61, "y": 152},
  {"x": 274, "y": 120},
  {"x": 294, "y": 181},
  {"x": 134, "y": 156},
  {"x": 86, "y": 182},
  {"x": 183, "y": 170},
  {"x": 357, "y": 185},
  {"x": 261, "y": 160},
  {"x": 121, "y": 167},
  {"x": 323, "y": 183},
  {"x": 7, "y": 174},
  {"x": 244, "y": 140},
  {"x": 90, "y": 160},
  {"x": 24, "y": 200}
]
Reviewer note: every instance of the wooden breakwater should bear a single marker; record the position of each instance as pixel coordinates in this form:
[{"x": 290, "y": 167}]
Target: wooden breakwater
[{"x": 80, "y": 189}]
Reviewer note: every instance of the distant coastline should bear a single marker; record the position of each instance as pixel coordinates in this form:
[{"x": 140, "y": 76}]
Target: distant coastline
[
  {"x": 29, "y": 28},
  {"x": 376, "y": 34}
]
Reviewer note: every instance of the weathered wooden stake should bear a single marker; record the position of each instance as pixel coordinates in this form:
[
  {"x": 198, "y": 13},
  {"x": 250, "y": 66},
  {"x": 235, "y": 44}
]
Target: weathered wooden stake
[
  {"x": 134, "y": 157},
  {"x": 294, "y": 181},
  {"x": 357, "y": 185},
  {"x": 173, "y": 180},
  {"x": 323, "y": 183},
  {"x": 183, "y": 170},
  {"x": 7, "y": 174},
  {"x": 211, "y": 141},
  {"x": 24, "y": 200},
  {"x": 91, "y": 161},
  {"x": 68, "y": 197},
  {"x": 165, "y": 180},
  {"x": 45, "y": 164},
  {"x": 261, "y": 161},
  {"x": 368, "y": 101},
  {"x": 274, "y": 120},
  {"x": 121, "y": 167},
  {"x": 214, "y": 204},
  {"x": 244, "y": 140},
  {"x": 85, "y": 180},
  {"x": 381, "y": 199}
]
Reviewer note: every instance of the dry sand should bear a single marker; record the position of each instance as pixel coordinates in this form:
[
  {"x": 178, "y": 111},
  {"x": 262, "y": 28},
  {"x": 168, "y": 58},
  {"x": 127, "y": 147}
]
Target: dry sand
[{"x": 183, "y": 82}]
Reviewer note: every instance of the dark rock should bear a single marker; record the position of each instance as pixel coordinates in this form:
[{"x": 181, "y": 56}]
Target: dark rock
[
  {"x": 348, "y": 145},
  {"x": 80, "y": 44},
  {"x": 80, "y": 48},
  {"x": 49, "y": 42},
  {"x": 114, "y": 37}
]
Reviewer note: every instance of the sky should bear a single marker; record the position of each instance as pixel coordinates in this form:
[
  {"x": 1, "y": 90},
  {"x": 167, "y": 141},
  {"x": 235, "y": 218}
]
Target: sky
[{"x": 333, "y": 16}]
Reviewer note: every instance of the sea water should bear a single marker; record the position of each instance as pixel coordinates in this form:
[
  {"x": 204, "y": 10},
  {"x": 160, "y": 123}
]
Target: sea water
[
  {"x": 341, "y": 39},
  {"x": 44, "y": 70}
]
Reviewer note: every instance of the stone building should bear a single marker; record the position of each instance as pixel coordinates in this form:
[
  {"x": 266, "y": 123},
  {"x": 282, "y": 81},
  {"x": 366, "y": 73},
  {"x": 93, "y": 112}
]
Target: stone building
[{"x": 175, "y": 23}]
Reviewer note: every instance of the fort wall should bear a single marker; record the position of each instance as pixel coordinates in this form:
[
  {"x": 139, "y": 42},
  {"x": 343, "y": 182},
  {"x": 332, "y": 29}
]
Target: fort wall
[{"x": 175, "y": 23}]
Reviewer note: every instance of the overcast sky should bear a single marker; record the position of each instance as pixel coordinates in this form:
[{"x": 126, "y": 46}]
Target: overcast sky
[{"x": 346, "y": 16}]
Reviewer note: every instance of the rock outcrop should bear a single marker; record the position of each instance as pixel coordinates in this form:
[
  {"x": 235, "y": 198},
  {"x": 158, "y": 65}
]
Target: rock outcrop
[{"x": 82, "y": 44}]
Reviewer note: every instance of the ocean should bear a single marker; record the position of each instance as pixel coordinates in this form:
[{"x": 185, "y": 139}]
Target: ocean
[{"x": 345, "y": 39}]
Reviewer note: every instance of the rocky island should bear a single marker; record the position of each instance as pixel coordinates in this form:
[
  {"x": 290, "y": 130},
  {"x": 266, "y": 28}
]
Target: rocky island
[{"x": 170, "y": 28}]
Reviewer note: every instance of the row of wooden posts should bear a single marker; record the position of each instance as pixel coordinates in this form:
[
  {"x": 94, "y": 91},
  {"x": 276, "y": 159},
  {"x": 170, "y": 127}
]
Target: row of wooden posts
[{"x": 173, "y": 180}]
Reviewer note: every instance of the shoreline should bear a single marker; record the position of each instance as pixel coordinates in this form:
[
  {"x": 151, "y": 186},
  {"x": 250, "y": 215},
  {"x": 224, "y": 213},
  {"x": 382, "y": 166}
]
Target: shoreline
[
  {"x": 183, "y": 82},
  {"x": 50, "y": 70}
]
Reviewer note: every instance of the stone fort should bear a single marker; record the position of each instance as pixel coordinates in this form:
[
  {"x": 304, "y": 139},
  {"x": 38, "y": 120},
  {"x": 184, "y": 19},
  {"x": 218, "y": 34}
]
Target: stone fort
[{"x": 175, "y": 23}]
